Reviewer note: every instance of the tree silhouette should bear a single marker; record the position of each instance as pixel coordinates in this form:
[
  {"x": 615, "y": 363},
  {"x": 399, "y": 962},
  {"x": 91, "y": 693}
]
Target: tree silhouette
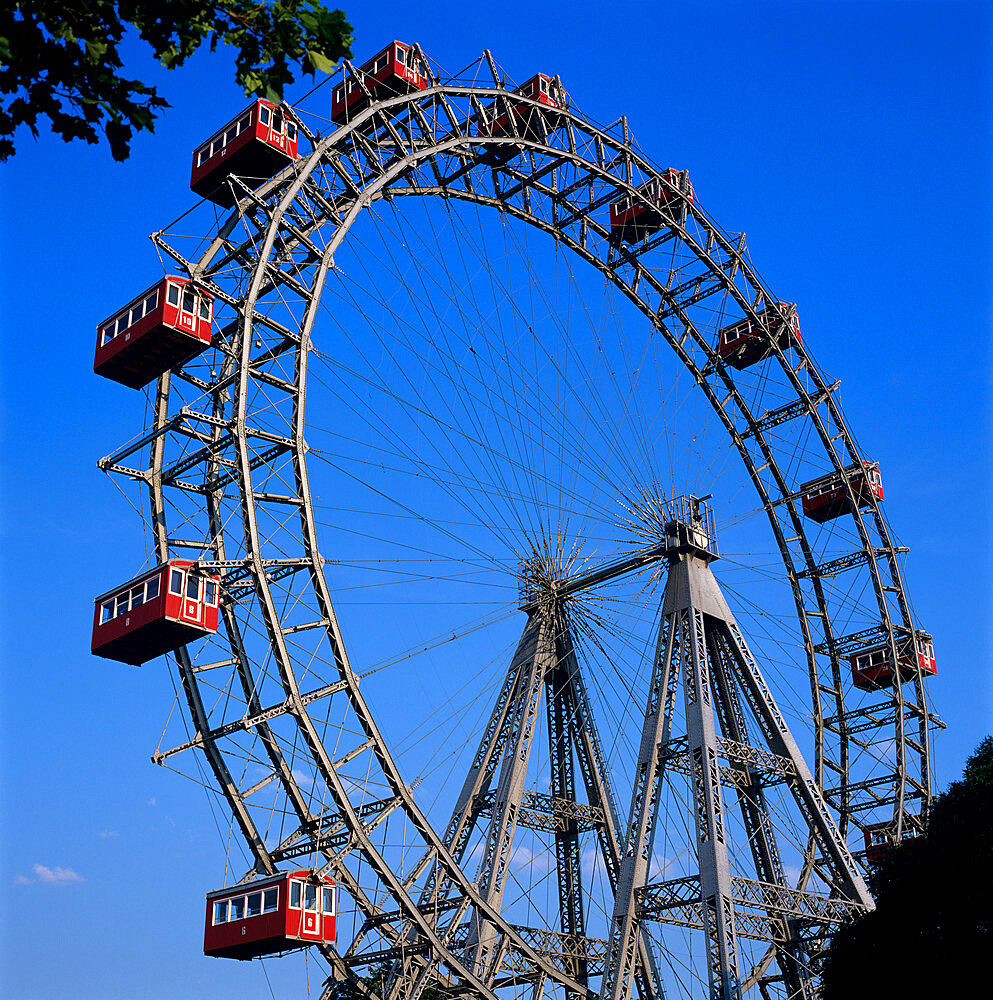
[
  {"x": 59, "y": 59},
  {"x": 346, "y": 989},
  {"x": 931, "y": 934}
]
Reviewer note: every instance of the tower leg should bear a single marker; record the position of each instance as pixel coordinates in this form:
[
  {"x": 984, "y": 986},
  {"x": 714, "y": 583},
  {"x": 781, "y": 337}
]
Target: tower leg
[
  {"x": 625, "y": 927},
  {"x": 535, "y": 659},
  {"x": 712, "y": 852}
]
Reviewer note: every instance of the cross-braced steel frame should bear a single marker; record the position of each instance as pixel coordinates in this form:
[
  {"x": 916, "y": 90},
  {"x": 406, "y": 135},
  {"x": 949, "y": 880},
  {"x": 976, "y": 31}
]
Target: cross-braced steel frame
[{"x": 225, "y": 465}]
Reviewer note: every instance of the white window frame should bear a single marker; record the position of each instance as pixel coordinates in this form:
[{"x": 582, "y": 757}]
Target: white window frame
[{"x": 295, "y": 886}]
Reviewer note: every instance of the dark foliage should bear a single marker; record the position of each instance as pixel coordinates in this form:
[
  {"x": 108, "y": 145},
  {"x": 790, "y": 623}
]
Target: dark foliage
[
  {"x": 59, "y": 59},
  {"x": 931, "y": 934},
  {"x": 373, "y": 984}
]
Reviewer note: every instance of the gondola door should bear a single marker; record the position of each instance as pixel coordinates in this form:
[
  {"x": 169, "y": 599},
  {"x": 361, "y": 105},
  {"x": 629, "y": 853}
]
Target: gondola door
[
  {"x": 192, "y": 609},
  {"x": 310, "y": 926},
  {"x": 187, "y": 316}
]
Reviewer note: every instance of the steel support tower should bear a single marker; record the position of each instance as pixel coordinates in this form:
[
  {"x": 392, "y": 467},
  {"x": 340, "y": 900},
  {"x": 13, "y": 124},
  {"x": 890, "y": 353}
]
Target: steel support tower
[{"x": 702, "y": 650}]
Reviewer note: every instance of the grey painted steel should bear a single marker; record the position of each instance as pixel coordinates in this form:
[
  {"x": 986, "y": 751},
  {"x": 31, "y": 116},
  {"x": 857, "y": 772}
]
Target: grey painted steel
[
  {"x": 701, "y": 646},
  {"x": 536, "y": 658},
  {"x": 562, "y": 186}
]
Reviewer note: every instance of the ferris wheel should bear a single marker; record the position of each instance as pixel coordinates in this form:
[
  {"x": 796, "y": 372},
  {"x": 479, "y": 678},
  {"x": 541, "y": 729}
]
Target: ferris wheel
[{"x": 531, "y": 601}]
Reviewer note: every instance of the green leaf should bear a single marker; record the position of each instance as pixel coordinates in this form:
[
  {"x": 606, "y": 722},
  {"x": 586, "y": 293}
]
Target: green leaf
[
  {"x": 320, "y": 61},
  {"x": 168, "y": 56},
  {"x": 95, "y": 51}
]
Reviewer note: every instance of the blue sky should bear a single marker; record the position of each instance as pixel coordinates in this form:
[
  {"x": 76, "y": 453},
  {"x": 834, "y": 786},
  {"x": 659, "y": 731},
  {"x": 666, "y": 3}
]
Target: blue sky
[{"x": 851, "y": 141}]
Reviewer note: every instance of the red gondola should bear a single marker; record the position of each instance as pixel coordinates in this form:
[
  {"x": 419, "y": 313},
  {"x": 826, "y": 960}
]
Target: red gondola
[
  {"x": 827, "y": 498},
  {"x": 255, "y": 146},
  {"x": 529, "y": 122},
  {"x": 634, "y": 217},
  {"x": 279, "y": 913},
  {"x": 398, "y": 69},
  {"x": 746, "y": 342},
  {"x": 155, "y": 612},
  {"x": 872, "y": 669},
  {"x": 163, "y": 328},
  {"x": 879, "y": 839}
]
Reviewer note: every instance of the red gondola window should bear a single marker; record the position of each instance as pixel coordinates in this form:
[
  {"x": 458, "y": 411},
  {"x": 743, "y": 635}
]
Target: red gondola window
[
  {"x": 304, "y": 896},
  {"x": 129, "y": 600},
  {"x": 408, "y": 59},
  {"x": 252, "y": 905},
  {"x": 128, "y": 318}
]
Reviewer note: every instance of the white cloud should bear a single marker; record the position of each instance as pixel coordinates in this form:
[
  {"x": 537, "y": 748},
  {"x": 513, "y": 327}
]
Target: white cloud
[
  {"x": 659, "y": 868},
  {"x": 108, "y": 833},
  {"x": 49, "y": 876},
  {"x": 56, "y": 874},
  {"x": 523, "y": 858}
]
